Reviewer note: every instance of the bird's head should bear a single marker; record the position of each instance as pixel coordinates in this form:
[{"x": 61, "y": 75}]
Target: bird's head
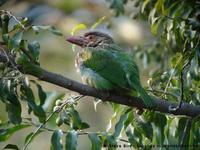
[{"x": 91, "y": 39}]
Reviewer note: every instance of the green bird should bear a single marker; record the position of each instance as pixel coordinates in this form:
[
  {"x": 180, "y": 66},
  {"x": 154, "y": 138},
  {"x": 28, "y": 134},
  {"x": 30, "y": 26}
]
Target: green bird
[{"x": 105, "y": 66}]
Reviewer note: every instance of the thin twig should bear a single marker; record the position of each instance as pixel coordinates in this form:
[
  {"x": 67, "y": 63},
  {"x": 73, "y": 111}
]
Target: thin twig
[
  {"x": 171, "y": 75},
  {"x": 49, "y": 117},
  {"x": 182, "y": 84},
  {"x": 161, "y": 92},
  {"x": 37, "y": 130},
  {"x": 179, "y": 61},
  {"x": 65, "y": 132},
  {"x": 8, "y": 60},
  {"x": 174, "y": 18}
]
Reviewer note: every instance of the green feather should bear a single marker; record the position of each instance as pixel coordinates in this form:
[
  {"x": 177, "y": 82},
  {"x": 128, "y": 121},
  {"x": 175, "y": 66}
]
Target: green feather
[
  {"x": 109, "y": 68},
  {"x": 104, "y": 63}
]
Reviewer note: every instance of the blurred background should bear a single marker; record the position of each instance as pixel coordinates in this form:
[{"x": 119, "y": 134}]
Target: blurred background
[{"x": 57, "y": 55}]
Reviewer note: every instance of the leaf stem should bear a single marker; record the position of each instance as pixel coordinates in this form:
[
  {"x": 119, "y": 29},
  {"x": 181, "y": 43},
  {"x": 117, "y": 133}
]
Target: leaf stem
[{"x": 49, "y": 117}]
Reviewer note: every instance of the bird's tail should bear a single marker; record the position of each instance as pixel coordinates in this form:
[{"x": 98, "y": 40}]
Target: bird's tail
[{"x": 148, "y": 100}]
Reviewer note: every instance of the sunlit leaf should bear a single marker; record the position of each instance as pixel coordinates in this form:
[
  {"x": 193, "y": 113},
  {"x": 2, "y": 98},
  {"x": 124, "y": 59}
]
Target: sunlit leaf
[
  {"x": 78, "y": 27},
  {"x": 145, "y": 3},
  {"x": 98, "y": 22}
]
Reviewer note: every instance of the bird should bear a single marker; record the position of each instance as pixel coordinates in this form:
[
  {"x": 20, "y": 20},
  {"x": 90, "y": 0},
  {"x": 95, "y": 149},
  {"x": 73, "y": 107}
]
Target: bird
[{"x": 104, "y": 65}]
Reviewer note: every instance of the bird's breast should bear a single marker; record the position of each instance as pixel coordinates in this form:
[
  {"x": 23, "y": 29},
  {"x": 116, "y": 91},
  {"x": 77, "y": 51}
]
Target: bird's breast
[{"x": 81, "y": 57}]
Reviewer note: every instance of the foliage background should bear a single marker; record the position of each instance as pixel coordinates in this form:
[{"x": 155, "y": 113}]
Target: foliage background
[
  {"x": 176, "y": 26},
  {"x": 57, "y": 55}
]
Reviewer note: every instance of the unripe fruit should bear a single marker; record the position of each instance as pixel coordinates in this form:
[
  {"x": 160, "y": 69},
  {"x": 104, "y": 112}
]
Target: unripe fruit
[
  {"x": 58, "y": 102},
  {"x": 56, "y": 108}
]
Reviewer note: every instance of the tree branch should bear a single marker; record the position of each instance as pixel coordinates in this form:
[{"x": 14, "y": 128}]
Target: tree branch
[{"x": 161, "y": 105}]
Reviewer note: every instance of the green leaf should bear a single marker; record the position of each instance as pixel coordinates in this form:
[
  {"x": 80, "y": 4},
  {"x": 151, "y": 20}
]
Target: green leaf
[
  {"x": 78, "y": 27},
  {"x": 119, "y": 126},
  {"x": 53, "y": 30},
  {"x": 4, "y": 20},
  {"x": 176, "y": 61},
  {"x": 32, "y": 69},
  {"x": 14, "y": 42},
  {"x": 159, "y": 6},
  {"x": 37, "y": 29},
  {"x": 154, "y": 27},
  {"x": 110, "y": 142},
  {"x": 56, "y": 140},
  {"x": 71, "y": 140},
  {"x": 84, "y": 125},
  {"x": 22, "y": 59},
  {"x": 183, "y": 130},
  {"x": 13, "y": 107},
  {"x": 129, "y": 119},
  {"x": 145, "y": 3},
  {"x": 95, "y": 140},
  {"x": 18, "y": 26},
  {"x": 11, "y": 146},
  {"x": 14, "y": 113},
  {"x": 160, "y": 121},
  {"x": 5, "y": 37},
  {"x": 118, "y": 6},
  {"x": 41, "y": 93},
  {"x": 76, "y": 120},
  {"x": 194, "y": 132},
  {"x": 34, "y": 48},
  {"x": 98, "y": 22},
  {"x": 37, "y": 109},
  {"x": 7, "y": 132},
  {"x": 32, "y": 136},
  {"x": 132, "y": 137}
]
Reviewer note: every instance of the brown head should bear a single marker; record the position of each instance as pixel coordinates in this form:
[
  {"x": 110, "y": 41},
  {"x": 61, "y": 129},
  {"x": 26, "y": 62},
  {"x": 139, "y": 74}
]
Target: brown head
[{"x": 91, "y": 39}]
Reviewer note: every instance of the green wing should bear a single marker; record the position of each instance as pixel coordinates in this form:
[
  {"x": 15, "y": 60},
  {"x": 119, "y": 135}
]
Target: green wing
[
  {"x": 132, "y": 74},
  {"x": 104, "y": 64},
  {"x": 118, "y": 68}
]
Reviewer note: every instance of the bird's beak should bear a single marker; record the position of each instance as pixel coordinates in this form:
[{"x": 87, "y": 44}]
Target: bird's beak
[{"x": 78, "y": 40}]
